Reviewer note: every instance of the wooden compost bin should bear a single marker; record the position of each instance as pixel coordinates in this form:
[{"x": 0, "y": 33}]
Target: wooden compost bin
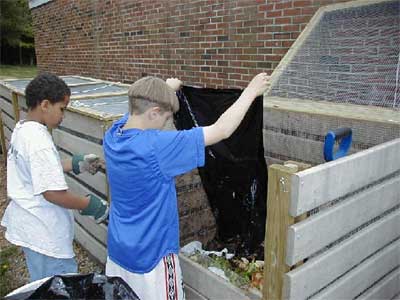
[
  {"x": 333, "y": 229},
  {"x": 91, "y": 111}
]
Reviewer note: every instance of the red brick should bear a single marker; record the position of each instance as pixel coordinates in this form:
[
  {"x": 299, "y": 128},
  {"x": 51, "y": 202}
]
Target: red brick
[{"x": 122, "y": 40}]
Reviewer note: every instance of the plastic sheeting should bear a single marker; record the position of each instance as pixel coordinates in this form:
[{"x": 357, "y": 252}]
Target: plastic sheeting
[
  {"x": 235, "y": 173},
  {"x": 75, "y": 286}
]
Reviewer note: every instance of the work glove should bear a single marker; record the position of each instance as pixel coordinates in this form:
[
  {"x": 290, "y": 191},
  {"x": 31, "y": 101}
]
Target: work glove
[
  {"x": 85, "y": 163},
  {"x": 97, "y": 208}
]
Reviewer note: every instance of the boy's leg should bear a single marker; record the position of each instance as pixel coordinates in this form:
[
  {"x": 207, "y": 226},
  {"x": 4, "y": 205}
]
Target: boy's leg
[
  {"x": 163, "y": 282},
  {"x": 41, "y": 266}
]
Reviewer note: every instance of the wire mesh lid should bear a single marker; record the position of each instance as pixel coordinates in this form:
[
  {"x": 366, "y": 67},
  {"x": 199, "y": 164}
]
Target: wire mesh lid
[{"x": 351, "y": 55}]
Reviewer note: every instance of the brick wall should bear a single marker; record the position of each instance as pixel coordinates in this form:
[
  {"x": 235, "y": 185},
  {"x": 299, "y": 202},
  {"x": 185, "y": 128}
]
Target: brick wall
[{"x": 210, "y": 43}]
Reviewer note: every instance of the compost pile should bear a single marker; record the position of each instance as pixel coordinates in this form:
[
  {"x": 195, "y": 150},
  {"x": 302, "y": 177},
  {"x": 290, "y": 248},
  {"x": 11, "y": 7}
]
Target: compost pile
[{"x": 242, "y": 272}]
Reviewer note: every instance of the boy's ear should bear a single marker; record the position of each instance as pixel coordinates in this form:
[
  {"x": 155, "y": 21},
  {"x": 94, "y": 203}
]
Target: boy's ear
[
  {"x": 44, "y": 105},
  {"x": 154, "y": 112}
]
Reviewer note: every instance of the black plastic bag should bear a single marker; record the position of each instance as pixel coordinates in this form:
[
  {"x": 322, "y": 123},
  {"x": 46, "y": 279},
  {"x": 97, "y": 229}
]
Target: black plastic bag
[
  {"x": 235, "y": 172},
  {"x": 90, "y": 286}
]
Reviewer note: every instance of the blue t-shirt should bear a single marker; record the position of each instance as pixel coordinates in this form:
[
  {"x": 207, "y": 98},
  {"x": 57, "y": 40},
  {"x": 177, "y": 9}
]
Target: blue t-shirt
[{"x": 141, "y": 166}]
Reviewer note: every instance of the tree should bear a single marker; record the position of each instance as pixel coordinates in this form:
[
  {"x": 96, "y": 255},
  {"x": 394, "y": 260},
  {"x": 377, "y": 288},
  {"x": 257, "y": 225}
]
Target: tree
[{"x": 16, "y": 25}]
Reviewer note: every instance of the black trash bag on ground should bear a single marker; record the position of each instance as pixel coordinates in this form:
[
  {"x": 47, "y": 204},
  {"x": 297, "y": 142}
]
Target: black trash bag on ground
[
  {"x": 235, "y": 173},
  {"x": 75, "y": 286}
]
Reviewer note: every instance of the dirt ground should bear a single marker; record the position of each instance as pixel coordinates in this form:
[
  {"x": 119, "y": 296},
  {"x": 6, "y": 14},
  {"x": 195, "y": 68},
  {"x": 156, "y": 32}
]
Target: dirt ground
[{"x": 15, "y": 271}]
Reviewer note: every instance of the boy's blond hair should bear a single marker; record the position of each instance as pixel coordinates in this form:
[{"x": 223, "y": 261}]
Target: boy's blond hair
[{"x": 149, "y": 92}]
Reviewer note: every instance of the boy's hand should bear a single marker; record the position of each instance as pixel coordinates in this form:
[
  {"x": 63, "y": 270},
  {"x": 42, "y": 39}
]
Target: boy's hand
[
  {"x": 174, "y": 83},
  {"x": 258, "y": 85},
  {"x": 85, "y": 163},
  {"x": 96, "y": 208}
]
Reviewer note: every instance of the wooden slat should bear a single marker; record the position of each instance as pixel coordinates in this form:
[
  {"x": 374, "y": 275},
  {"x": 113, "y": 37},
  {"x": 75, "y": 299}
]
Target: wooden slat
[
  {"x": 309, "y": 114},
  {"x": 83, "y": 124},
  {"x": 22, "y": 102},
  {"x": 5, "y": 91},
  {"x": 7, "y": 107},
  {"x": 360, "y": 278},
  {"x": 306, "y": 238},
  {"x": 7, "y": 134},
  {"x": 2, "y": 140},
  {"x": 293, "y": 147},
  {"x": 88, "y": 242},
  {"x": 15, "y": 106},
  {"x": 97, "y": 181},
  {"x": 323, "y": 183},
  {"x": 210, "y": 285},
  {"x": 78, "y": 188},
  {"x": 7, "y": 121},
  {"x": 74, "y": 144},
  {"x": 192, "y": 294},
  {"x": 386, "y": 288},
  {"x": 97, "y": 230},
  {"x": 313, "y": 119},
  {"x": 316, "y": 273},
  {"x": 279, "y": 178},
  {"x": 22, "y": 114}
]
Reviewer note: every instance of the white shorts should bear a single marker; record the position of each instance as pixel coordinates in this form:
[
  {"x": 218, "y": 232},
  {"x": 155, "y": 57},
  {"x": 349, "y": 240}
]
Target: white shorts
[{"x": 164, "y": 282}]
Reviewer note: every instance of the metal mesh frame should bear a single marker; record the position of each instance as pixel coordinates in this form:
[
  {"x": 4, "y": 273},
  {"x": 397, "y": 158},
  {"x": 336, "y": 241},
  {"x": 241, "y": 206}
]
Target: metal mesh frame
[{"x": 351, "y": 55}]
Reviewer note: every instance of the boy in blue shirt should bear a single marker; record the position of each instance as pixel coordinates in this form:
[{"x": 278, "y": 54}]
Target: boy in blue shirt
[{"x": 142, "y": 161}]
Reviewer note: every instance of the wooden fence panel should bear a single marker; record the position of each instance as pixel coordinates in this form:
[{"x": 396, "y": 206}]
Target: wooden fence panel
[
  {"x": 75, "y": 144},
  {"x": 319, "y": 271},
  {"x": 98, "y": 181},
  {"x": 8, "y": 122},
  {"x": 96, "y": 249},
  {"x": 85, "y": 125},
  {"x": 360, "y": 278},
  {"x": 7, "y": 107},
  {"x": 324, "y": 183},
  {"x": 319, "y": 230},
  {"x": 386, "y": 288}
]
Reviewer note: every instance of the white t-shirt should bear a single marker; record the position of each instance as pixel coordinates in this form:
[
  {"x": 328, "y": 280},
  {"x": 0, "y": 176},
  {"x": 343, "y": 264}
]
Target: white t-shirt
[{"x": 33, "y": 167}]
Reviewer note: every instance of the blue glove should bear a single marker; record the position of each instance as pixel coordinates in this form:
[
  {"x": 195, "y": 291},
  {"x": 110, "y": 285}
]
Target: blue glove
[
  {"x": 85, "y": 163},
  {"x": 97, "y": 208}
]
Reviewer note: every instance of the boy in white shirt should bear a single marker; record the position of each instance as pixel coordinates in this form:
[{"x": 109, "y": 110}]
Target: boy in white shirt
[{"x": 38, "y": 217}]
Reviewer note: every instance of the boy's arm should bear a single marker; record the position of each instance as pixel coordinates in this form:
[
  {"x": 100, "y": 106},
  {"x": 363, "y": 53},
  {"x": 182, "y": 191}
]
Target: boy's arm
[
  {"x": 231, "y": 118},
  {"x": 67, "y": 165},
  {"x": 89, "y": 205},
  {"x": 66, "y": 199}
]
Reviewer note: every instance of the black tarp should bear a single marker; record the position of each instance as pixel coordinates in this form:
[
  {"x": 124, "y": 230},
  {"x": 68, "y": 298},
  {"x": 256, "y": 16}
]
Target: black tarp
[
  {"x": 77, "y": 286},
  {"x": 235, "y": 174}
]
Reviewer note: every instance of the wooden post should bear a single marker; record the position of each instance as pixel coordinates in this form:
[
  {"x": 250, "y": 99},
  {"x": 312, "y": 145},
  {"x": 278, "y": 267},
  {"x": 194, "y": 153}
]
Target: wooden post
[
  {"x": 278, "y": 221},
  {"x": 3, "y": 140},
  {"x": 106, "y": 125},
  {"x": 15, "y": 107}
]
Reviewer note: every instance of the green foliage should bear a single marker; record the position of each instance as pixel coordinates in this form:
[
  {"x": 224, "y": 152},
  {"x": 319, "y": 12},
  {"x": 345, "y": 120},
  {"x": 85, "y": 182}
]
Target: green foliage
[{"x": 16, "y": 24}]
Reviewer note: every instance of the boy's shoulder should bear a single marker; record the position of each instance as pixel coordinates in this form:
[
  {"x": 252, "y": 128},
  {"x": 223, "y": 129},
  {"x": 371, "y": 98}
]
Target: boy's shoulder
[{"x": 33, "y": 133}]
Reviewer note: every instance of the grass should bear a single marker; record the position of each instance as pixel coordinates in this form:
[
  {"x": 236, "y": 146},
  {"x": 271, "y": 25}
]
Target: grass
[
  {"x": 7, "y": 278},
  {"x": 17, "y": 71}
]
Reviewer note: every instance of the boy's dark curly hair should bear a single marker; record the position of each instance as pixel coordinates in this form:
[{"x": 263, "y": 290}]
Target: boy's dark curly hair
[{"x": 46, "y": 86}]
